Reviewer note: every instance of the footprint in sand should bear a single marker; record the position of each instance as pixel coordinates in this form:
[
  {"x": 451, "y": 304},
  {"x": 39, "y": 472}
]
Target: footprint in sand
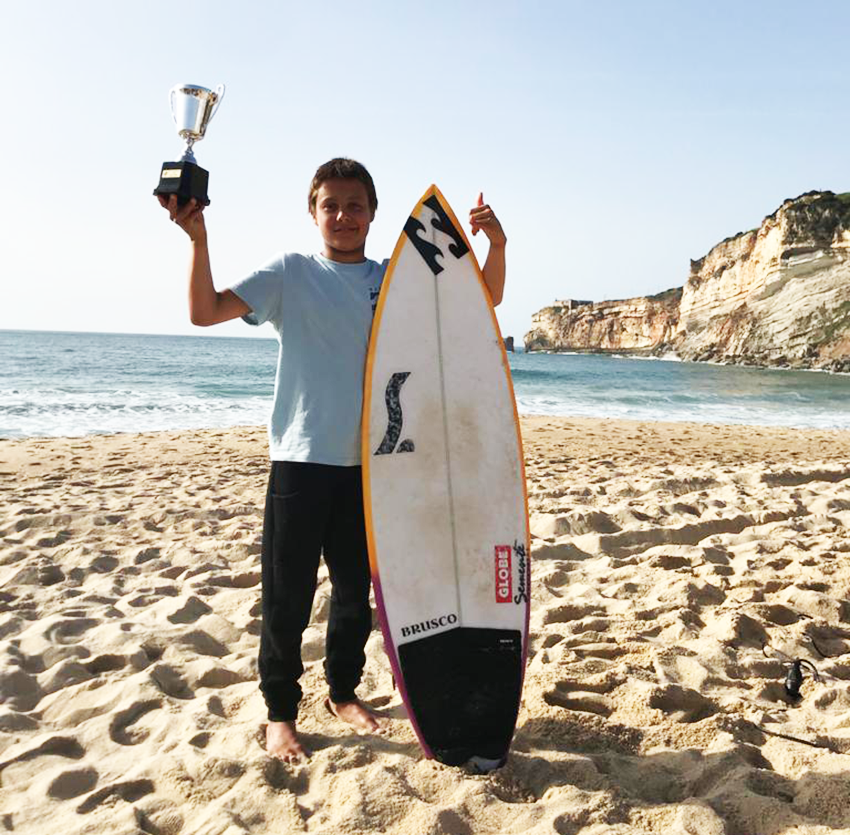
[
  {"x": 171, "y": 682},
  {"x": 64, "y": 674},
  {"x": 73, "y": 783},
  {"x": 279, "y": 777},
  {"x": 148, "y": 596},
  {"x": 42, "y": 573},
  {"x": 201, "y": 740},
  {"x": 129, "y": 791},
  {"x": 106, "y": 663},
  {"x": 121, "y": 728},
  {"x": 777, "y": 614},
  {"x": 570, "y": 612},
  {"x": 682, "y": 704},
  {"x": 56, "y": 746},
  {"x": 241, "y": 580},
  {"x": 206, "y": 673},
  {"x": 69, "y": 631},
  {"x": 173, "y": 572},
  {"x": 146, "y": 554},
  {"x": 203, "y": 643},
  {"x": 190, "y": 611},
  {"x": 19, "y": 690},
  {"x": 600, "y": 650},
  {"x": 584, "y": 696},
  {"x": 104, "y": 564}
]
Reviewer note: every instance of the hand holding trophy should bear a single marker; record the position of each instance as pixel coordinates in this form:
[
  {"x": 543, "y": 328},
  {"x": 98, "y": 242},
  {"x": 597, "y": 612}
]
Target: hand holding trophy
[{"x": 192, "y": 108}]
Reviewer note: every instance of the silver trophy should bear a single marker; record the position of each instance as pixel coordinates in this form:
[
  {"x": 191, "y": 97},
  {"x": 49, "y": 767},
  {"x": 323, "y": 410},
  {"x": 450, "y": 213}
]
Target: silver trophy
[{"x": 192, "y": 107}]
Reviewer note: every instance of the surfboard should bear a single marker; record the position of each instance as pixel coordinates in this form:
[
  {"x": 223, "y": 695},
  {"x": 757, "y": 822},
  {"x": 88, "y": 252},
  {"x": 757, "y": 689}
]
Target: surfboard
[{"x": 445, "y": 497}]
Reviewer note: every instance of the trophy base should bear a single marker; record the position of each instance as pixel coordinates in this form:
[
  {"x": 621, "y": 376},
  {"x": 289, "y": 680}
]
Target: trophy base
[{"x": 185, "y": 179}]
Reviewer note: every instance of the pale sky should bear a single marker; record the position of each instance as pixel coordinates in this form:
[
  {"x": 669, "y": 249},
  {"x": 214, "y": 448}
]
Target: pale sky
[{"x": 616, "y": 140}]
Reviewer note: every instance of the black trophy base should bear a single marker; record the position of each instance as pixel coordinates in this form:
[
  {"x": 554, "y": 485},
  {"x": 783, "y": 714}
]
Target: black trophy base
[{"x": 185, "y": 179}]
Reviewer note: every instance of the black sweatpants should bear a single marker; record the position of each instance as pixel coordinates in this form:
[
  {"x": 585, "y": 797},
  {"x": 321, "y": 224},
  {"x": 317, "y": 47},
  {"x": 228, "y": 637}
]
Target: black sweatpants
[{"x": 312, "y": 509}]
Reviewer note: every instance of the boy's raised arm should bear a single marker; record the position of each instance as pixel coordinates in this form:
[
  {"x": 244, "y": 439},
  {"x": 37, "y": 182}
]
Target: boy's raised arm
[
  {"x": 206, "y": 305},
  {"x": 483, "y": 218}
]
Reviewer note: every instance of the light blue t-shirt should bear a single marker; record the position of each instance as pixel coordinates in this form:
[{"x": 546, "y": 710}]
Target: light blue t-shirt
[{"x": 322, "y": 311}]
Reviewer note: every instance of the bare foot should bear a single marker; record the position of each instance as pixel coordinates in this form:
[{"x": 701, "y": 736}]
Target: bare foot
[
  {"x": 282, "y": 742},
  {"x": 357, "y": 715}
]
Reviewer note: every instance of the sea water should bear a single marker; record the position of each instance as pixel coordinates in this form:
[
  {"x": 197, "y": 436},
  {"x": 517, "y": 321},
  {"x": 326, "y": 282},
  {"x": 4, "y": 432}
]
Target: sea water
[{"x": 67, "y": 384}]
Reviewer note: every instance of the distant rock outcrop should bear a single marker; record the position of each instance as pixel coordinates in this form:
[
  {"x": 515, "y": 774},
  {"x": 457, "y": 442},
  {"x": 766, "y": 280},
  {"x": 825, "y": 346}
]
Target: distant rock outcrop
[
  {"x": 641, "y": 325},
  {"x": 778, "y": 295}
]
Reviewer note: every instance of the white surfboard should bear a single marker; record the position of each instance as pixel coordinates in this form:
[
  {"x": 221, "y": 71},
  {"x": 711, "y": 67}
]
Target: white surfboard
[{"x": 445, "y": 498}]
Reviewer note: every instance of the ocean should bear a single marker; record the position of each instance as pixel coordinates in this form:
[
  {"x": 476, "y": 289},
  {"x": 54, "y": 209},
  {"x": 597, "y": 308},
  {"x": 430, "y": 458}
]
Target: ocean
[{"x": 71, "y": 384}]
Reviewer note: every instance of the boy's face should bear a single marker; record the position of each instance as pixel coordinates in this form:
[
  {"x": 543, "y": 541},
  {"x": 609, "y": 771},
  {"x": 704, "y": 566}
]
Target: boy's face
[{"x": 343, "y": 217}]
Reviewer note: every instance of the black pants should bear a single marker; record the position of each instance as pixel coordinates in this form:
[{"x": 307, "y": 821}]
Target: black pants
[{"x": 312, "y": 509}]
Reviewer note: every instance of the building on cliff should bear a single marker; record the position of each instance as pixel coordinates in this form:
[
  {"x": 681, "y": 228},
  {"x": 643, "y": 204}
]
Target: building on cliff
[{"x": 778, "y": 295}]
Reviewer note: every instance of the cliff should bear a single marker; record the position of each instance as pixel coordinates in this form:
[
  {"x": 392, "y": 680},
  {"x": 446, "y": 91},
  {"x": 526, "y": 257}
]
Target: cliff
[
  {"x": 639, "y": 325},
  {"x": 778, "y": 295}
]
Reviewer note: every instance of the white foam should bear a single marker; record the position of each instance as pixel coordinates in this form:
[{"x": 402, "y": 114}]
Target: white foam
[{"x": 55, "y": 413}]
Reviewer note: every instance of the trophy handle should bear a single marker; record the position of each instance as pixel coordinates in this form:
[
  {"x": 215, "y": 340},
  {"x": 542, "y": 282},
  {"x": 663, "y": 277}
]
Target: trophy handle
[
  {"x": 171, "y": 104},
  {"x": 219, "y": 92}
]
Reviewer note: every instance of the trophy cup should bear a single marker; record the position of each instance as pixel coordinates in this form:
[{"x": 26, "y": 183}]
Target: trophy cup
[{"x": 192, "y": 108}]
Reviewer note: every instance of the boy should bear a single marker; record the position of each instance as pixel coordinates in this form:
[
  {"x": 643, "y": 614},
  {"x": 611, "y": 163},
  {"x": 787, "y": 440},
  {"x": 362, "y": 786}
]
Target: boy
[{"x": 322, "y": 308}]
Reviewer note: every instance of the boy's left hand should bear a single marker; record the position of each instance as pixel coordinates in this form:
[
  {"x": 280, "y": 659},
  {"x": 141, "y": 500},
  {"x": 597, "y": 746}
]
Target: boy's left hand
[{"x": 483, "y": 218}]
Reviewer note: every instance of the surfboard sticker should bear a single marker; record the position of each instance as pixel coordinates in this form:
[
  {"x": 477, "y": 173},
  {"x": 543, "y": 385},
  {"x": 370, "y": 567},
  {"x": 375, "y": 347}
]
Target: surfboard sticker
[
  {"x": 395, "y": 417},
  {"x": 444, "y": 492}
]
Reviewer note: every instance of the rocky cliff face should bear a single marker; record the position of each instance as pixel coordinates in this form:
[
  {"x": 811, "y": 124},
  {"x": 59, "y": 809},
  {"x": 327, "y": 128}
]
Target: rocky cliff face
[
  {"x": 638, "y": 325},
  {"x": 778, "y": 295}
]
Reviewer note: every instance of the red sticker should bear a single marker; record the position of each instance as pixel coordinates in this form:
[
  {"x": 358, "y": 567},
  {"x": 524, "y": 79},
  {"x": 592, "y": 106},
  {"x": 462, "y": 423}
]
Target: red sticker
[{"x": 504, "y": 574}]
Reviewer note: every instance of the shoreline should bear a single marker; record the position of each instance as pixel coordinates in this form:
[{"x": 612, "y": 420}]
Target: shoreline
[
  {"x": 523, "y": 416},
  {"x": 580, "y": 432},
  {"x": 675, "y": 568},
  {"x": 672, "y": 356}
]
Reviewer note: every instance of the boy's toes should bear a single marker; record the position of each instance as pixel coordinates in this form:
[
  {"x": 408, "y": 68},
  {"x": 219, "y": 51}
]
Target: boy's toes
[
  {"x": 357, "y": 715},
  {"x": 282, "y": 742}
]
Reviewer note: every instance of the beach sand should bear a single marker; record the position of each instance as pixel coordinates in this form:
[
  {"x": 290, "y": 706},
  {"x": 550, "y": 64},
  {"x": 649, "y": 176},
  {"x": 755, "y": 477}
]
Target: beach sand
[{"x": 677, "y": 569}]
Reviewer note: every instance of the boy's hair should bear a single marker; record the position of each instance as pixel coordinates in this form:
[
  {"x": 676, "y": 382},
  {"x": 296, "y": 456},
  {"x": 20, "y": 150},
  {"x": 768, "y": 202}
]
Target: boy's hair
[{"x": 341, "y": 168}]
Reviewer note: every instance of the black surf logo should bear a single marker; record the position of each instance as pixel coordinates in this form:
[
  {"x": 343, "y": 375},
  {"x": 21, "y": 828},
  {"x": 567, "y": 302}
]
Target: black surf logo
[
  {"x": 442, "y": 223},
  {"x": 395, "y": 418}
]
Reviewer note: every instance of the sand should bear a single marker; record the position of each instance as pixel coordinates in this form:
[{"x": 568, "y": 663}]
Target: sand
[{"x": 677, "y": 570}]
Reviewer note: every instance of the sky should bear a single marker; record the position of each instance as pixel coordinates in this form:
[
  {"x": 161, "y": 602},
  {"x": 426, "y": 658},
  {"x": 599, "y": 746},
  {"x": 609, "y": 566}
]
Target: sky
[{"x": 616, "y": 140}]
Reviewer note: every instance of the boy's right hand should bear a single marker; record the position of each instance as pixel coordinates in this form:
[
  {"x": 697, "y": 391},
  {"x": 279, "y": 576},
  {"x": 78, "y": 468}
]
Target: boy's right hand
[{"x": 189, "y": 217}]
